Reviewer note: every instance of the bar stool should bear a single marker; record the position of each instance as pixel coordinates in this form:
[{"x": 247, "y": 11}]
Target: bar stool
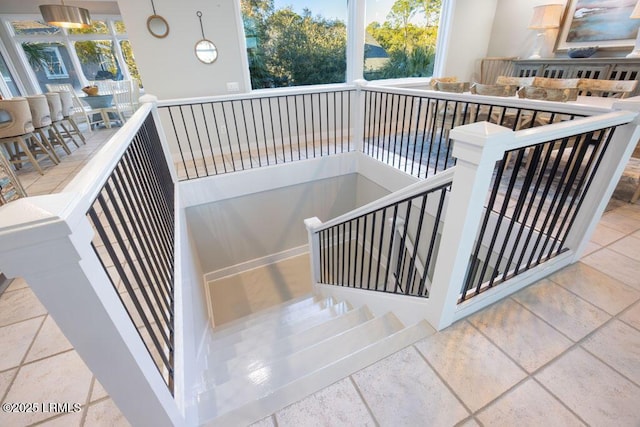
[
  {"x": 55, "y": 134},
  {"x": 41, "y": 118},
  {"x": 17, "y": 134},
  {"x": 67, "y": 113}
]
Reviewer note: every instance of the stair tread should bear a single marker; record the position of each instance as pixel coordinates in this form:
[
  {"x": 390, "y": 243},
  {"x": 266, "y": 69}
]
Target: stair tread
[
  {"x": 256, "y": 402},
  {"x": 246, "y": 340},
  {"x": 275, "y": 350},
  {"x": 272, "y": 321},
  {"x": 261, "y": 381},
  {"x": 253, "y": 318}
]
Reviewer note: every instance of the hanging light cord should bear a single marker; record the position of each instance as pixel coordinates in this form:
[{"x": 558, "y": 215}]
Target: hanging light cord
[
  {"x": 153, "y": 6},
  {"x": 199, "y": 15}
]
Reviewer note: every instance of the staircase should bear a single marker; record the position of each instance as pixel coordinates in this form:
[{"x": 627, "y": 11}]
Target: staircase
[{"x": 271, "y": 359}]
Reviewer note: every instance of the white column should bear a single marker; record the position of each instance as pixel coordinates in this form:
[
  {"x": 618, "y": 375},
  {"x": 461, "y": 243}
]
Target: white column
[
  {"x": 355, "y": 40},
  {"x": 477, "y": 147},
  {"x": 357, "y": 112},
  {"x": 46, "y": 241}
]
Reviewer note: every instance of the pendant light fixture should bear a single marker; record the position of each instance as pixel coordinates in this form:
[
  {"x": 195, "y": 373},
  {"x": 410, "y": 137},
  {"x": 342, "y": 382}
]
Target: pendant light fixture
[{"x": 61, "y": 15}]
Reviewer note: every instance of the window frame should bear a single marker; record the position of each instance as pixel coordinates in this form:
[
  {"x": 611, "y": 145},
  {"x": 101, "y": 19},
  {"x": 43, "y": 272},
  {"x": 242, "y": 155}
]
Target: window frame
[
  {"x": 56, "y": 52},
  {"x": 355, "y": 23},
  {"x": 68, "y": 41},
  {"x": 5, "y": 90}
]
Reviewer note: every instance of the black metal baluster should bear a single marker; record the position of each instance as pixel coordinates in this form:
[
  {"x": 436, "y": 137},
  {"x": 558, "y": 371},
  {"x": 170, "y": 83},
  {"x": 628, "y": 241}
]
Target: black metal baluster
[
  {"x": 548, "y": 184},
  {"x": 284, "y": 155},
  {"x": 215, "y": 123},
  {"x": 246, "y": 132},
  {"x": 286, "y": 100},
  {"x": 380, "y": 244},
  {"x": 264, "y": 131},
  {"x": 175, "y": 133},
  {"x": 273, "y": 131}
]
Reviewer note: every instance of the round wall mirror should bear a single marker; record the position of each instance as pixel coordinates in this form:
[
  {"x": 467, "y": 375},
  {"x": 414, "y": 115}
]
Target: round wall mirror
[
  {"x": 206, "y": 51},
  {"x": 158, "y": 26}
]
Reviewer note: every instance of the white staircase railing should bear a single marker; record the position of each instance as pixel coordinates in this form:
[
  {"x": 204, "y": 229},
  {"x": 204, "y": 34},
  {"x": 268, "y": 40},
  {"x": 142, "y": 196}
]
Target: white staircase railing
[
  {"x": 113, "y": 224},
  {"x": 563, "y": 188}
]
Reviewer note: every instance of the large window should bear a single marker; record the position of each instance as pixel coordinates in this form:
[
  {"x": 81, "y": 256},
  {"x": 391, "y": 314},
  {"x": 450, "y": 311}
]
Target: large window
[
  {"x": 54, "y": 67},
  {"x": 292, "y": 43},
  {"x": 50, "y": 63},
  {"x": 300, "y": 42},
  {"x": 400, "y": 38},
  {"x": 8, "y": 86},
  {"x": 76, "y": 56}
]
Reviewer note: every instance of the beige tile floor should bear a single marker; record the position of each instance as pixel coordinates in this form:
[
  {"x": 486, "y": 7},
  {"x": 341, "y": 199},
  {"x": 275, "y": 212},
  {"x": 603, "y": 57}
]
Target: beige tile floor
[
  {"x": 565, "y": 351},
  {"x": 37, "y": 363}
]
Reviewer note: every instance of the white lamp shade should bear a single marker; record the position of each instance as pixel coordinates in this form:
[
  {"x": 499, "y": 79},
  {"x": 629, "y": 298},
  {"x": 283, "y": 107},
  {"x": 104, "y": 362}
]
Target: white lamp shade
[
  {"x": 61, "y": 15},
  {"x": 546, "y": 16},
  {"x": 635, "y": 14}
]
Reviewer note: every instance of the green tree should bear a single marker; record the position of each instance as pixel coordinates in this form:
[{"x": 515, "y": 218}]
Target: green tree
[
  {"x": 401, "y": 13},
  {"x": 285, "y": 48},
  {"x": 431, "y": 10},
  {"x": 292, "y": 49},
  {"x": 36, "y": 56},
  {"x": 409, "y": 37}
]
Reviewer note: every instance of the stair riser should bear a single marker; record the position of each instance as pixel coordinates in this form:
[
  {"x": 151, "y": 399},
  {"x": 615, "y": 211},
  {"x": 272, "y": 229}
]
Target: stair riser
[
  {"x": 256, "y": 410},
  {"x": 222, "y": 353},
  {"x": 256, "y": 318},
  {"x": 299, "y": 341},
  {"x": 234, "y": 387}
]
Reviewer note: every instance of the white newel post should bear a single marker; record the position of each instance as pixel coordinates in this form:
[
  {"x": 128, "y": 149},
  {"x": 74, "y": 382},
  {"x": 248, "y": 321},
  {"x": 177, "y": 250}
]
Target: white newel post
[
  {"x": 47, "y": 242},
  {"x": 358, "y": 113},
  {"x": 314, "y": 247},
  {"x": 605, "y": 180},
  {"x": 477, "y": 147}
]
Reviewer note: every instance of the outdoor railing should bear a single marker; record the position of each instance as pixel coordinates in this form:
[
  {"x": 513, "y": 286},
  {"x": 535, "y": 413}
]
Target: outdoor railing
[{"x": 228, "y": 134}]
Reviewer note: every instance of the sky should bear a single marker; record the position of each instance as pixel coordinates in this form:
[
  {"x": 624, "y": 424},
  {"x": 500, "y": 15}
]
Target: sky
[{"x": 376, "y": 9}]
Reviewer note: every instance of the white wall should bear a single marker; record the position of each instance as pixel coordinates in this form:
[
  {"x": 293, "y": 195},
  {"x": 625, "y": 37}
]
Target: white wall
[
  {"x": 244, "y": 228},
  {"x": 168, "y": 66},
  {"x": 510, "y": 35},
  {"x": 469, "y": 37}
]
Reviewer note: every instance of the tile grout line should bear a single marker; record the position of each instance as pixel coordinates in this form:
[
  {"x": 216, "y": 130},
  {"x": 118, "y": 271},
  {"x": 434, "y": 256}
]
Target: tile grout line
[
  {"x": 441, "y": 378},
  {"x": 20, "y": 364},
  {"x": 87, "y": 402},
  {"x": 362, "y": 398},
  {"x": 530, "y": 375},
  {"x": 576, "y": 344}
]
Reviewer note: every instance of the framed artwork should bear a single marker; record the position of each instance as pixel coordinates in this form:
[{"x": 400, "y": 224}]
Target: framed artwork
[{"x": 602, "y": 23}]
